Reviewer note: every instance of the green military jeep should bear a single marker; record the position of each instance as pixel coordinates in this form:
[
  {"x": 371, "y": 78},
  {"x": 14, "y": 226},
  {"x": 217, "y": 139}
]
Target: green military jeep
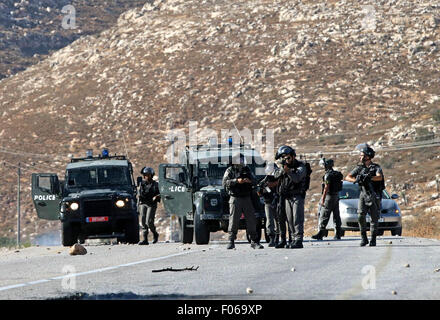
[
  {"x": 193, "y": 191},
  {"x": 97, "y": 199}
]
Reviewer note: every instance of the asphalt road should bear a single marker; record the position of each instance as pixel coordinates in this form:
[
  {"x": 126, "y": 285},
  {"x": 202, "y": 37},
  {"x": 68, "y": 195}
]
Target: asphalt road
[{"x": 398, "y": 268}]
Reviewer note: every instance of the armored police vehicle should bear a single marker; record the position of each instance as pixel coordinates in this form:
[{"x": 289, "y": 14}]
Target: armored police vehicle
[
  {"x": 97, "y": 199},
  {"x": 193, "y": 191}
]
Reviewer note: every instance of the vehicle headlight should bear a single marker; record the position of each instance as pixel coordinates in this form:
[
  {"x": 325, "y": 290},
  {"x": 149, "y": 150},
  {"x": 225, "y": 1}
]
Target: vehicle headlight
[
  {"x": 396, "y": 211},
  {"x": 120, "y": 203},
  {"x": 74, "y": 206}
]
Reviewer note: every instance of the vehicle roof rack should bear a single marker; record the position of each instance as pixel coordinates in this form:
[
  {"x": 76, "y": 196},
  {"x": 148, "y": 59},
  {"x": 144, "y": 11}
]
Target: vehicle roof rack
[{"x": 94, "y": 158}]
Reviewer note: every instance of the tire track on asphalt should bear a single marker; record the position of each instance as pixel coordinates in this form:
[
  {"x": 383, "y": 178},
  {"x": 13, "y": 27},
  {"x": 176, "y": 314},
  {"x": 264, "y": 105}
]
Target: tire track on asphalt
[{"x": 355, "y": 290}]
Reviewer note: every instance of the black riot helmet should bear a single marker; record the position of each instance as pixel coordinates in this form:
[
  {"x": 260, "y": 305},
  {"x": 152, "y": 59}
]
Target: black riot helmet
[
  {"x": 326, "y": 163},
  {"x": 284, "y": 150},
  {"x": 147, "y": 170},
  {"x": 368, "y": 151}
]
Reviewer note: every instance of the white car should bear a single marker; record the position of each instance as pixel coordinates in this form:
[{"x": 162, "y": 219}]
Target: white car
[{"x": 390, "y": 215}]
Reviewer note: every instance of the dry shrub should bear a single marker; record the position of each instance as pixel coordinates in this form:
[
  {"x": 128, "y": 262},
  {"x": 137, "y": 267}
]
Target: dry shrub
[{"x": 424, "y": 226}]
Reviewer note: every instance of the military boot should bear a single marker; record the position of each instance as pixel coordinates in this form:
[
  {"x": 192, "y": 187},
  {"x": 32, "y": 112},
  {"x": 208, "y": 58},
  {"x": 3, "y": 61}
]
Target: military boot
[
  {"x": 364, "y": 241},
  {"x": 337, "y": 234},
  {"x": 272, "y": 241},
  {"x": 155, "y": 237},
  {"x": 373, "y": 239},
  {"x": 297, "y": 244},
  {"x": 282, "y": 244},
  {"x": 319, "y": 235},
  {"x": 143, "y": 242},
  {"x": 256, "y": 245},
  {"x": 230, "y": 245}
]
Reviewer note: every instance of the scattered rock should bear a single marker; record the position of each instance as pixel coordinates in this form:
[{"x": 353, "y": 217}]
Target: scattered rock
[
  {"x": 249, "y": 291},
  {"x": 77, "y": 249},
  {"x": 293, "y": 269},
  {"x": 406, "y": 265},
  {"x": 394, "y": 292}
]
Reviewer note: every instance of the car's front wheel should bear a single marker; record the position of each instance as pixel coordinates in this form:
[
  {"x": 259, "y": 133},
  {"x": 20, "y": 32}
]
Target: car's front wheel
[
  {"x": 201, "y": 230},
  {"x": 68, "y": 234}
]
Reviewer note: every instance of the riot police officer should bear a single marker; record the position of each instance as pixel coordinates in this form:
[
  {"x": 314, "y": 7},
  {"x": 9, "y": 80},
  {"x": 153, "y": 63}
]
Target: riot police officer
[
  {"x": 149, "y": 196},
  {"x": 370, "y": 178},
  {"x": 291, "y": 186},
  {"x": 267, "y": 190},
  {"x": 332, "y": 184},
  {"x": 238, "y": 182}
]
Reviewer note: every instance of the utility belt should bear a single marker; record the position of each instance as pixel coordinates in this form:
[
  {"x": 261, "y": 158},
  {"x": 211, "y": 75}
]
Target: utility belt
[{"x": 291, "y": 194}]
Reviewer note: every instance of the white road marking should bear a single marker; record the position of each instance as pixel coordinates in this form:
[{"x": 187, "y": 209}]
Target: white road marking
[{"x": 70, "y": 275}]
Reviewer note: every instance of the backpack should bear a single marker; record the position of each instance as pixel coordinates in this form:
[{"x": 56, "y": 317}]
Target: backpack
[
  {"x": 307, "y": 178},
  {"x": 337, "y": 180}
]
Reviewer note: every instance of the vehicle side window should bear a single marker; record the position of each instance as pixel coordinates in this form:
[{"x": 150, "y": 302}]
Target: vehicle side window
[
  {"x": 44, "y": 183},
  {"x": 175, "y": 174}
]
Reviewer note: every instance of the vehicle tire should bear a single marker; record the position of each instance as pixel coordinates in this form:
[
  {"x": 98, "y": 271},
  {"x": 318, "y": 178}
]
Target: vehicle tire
[
  {"x": 132, "y": 231},
  {"x": 396, "y": 232},
  {"x": 68, "y": 235},
  {"x": 187, "y": 232},
  {"x": 201, "y": 230},
  {"x": 380, "y": 232}
]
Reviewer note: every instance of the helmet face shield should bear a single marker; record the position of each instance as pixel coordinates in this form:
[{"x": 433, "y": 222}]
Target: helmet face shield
[
  {"x": 147, "y": 171},
  {"x": 283, "y": 151}
]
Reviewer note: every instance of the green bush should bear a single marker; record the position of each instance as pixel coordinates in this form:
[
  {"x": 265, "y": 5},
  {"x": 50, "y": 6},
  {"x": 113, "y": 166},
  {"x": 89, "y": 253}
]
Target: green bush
[{"x": 7, "y": 242}]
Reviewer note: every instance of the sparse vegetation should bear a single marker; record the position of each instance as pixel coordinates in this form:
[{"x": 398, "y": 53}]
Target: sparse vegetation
[
  {"x": 424, "y": 134},
  {"x": 436, "y": 116}
]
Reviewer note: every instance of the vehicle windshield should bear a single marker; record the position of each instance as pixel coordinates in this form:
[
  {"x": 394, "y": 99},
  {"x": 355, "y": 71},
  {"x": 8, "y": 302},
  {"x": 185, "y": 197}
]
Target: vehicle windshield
[
  {"x": 352, "y": 191},
  {"x": 212, "y": 174},
  {"x": 98, "y": 177}
]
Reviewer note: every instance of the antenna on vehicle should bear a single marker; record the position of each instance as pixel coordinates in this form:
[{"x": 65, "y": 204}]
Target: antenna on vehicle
[
  {"x": 125, "y": 146},
  {"x": 241, "y": 138}
]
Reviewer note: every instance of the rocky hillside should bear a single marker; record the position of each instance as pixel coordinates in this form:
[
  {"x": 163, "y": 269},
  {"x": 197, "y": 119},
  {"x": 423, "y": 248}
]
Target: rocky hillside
[
  {"x": 326, "y": 75},
  {"x": 30, "y": 30}
]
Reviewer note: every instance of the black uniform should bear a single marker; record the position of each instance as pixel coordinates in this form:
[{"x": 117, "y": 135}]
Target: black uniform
[
  {"x": 240, "y": 200},
  {"x": 370, "y": 195},
  {"x": 148, "y": 206}
]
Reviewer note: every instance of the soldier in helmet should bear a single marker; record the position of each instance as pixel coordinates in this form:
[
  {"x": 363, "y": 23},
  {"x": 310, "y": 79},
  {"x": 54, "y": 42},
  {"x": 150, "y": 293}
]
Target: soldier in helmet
[
  {"x": 149, "y": 196},
  {"x": 238, "y": 182},
  {"x": 332, "y": 184},
  {"x": 267, "y": 190},
  {"x": 370, "y": 178},
  {"x": 291, "y": 187}
]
